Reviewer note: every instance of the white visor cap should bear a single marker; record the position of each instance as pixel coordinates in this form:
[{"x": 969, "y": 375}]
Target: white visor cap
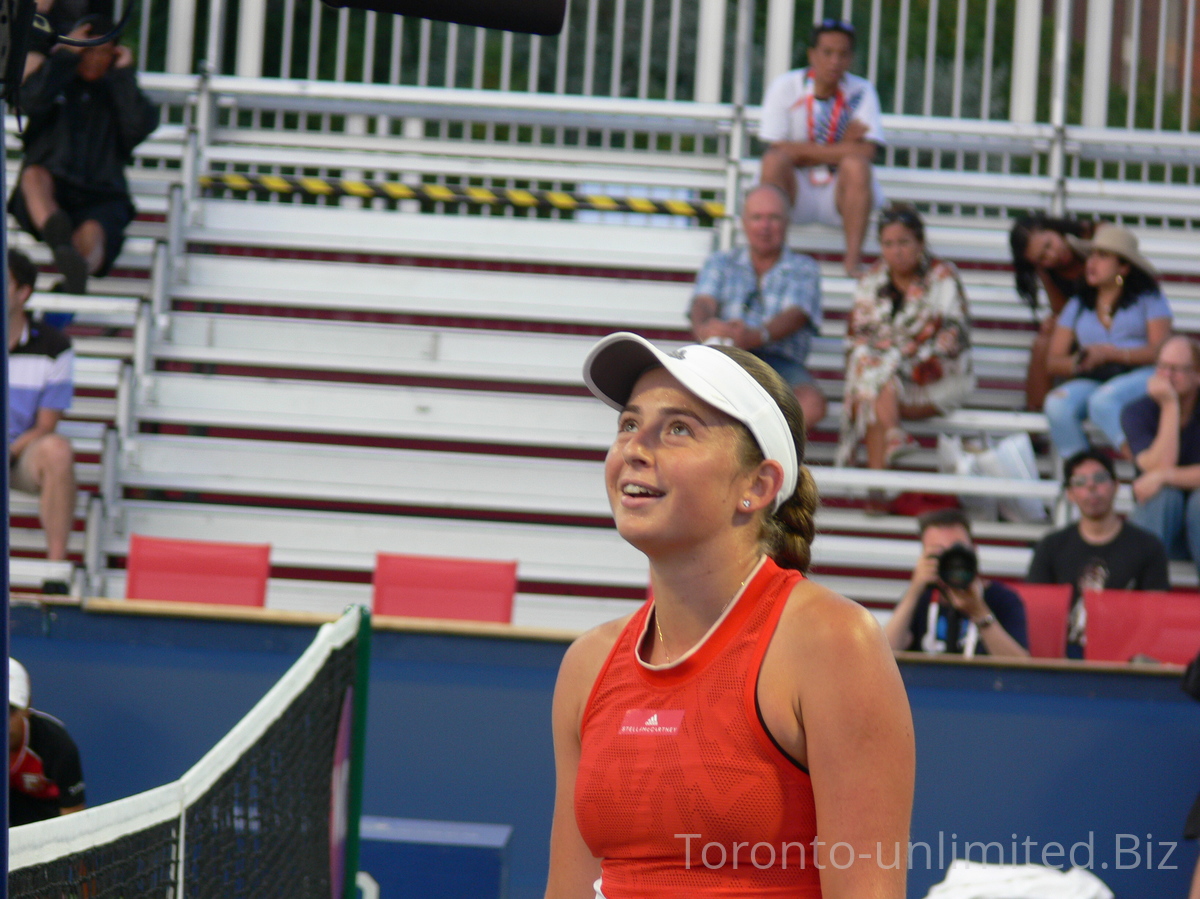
[
  {"x": 18, "y": 685},
  {"x": 615, "y": 363}
]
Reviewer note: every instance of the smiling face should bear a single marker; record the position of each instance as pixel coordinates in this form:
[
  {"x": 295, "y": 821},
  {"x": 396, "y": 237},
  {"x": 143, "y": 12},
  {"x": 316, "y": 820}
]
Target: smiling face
[
  {"x": 1048, "y": 249},
  {"x": 674, "y": 473}
]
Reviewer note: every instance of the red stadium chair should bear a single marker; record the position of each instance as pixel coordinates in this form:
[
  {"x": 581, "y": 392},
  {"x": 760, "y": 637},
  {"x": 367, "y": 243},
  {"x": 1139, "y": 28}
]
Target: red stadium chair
[
  {"x": 1046, "y": 609},
  {"x": 1124, "y": 623},
  {"x": 431, "y": 587},
  {"x": 231, "y": 574}
]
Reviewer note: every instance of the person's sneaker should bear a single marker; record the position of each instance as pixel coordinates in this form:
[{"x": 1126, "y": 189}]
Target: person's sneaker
[{"x": 57, "y": 233}]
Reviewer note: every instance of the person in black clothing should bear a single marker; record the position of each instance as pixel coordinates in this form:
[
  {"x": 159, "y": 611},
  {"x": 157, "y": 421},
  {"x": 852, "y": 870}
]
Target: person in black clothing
[
  {"x": 86, "y": 114},
  {"x": 986, "y": 618},
  {"x": 45, "y": 778},
  {"x": 1102, "y": 550}
]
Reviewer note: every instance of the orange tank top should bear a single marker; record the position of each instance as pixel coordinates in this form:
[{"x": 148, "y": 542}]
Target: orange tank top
[{"x": 681, "y": 790}]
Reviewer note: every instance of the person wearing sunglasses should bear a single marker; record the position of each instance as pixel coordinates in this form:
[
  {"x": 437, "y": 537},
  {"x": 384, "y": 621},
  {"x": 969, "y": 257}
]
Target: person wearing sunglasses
[
  {"x": 823, "y": 128},
  {"x": 1101, "y": 550},
  {"x": 1163, "y": 431}
]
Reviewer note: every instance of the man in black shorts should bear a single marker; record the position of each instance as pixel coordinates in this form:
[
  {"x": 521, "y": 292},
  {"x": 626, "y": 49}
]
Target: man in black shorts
[
  {"x": 86, "y": 114},
  {"x": 45, "y": 778}
]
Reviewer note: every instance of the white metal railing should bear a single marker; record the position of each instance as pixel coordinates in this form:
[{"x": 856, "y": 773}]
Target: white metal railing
[
  {"x": 1066, "y": 64},
  {"x": 980, "y": 59}
]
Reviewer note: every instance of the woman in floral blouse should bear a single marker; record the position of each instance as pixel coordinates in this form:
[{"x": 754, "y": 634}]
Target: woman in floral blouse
[{"x": 908, "y": 343}]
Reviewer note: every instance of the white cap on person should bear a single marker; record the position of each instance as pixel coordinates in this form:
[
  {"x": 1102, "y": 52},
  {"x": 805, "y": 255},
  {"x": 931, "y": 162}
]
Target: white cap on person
[
  {"x": 18, "y": 684},
  {"x": 616, "y": 362}
]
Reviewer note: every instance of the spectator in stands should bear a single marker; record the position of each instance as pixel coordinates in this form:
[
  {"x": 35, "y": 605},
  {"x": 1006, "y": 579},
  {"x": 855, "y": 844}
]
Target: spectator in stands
[
  {"x": 908, "y": 342},
  {"x": 662, "y": 716},
  {"x": 1163, "y": 430},
  {"x": 1100, "y": 551},
  {"x": 45, "y": 778},
  {"x": 1042, "y": 255},
  {"x": 933, "y": 616},
  {"x": 764, "y": 298},
  {"x": 1119, "y": 320},
  {"x": 63, "y": 15},
  {"x": 824, "y": 127},
  {"x": 40, "y": 370},
  {"x": 86, "y": 114}
]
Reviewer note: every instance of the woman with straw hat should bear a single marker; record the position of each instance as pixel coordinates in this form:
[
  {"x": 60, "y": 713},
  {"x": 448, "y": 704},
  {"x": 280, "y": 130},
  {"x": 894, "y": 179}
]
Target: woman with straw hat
[
  {"x": 1117, "y": 322},
  {"x": 746, "y": 731}
]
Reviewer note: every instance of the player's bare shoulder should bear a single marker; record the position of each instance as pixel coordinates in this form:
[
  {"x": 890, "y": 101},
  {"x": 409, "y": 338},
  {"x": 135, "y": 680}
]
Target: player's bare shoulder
[
  {"x": 818, "y": 621},
  {"x": 586, "y": 655}
]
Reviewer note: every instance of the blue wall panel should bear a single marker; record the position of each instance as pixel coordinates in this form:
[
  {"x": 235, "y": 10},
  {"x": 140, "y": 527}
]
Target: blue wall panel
[{"x": 459, "y": 730}]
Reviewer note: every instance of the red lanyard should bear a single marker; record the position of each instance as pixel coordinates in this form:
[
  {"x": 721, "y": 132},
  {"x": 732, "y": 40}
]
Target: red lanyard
[{"x": 839, "y": 104}]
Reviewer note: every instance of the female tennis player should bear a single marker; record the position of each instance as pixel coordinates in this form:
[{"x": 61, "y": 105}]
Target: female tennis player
[{"x": 746, "y": 732}]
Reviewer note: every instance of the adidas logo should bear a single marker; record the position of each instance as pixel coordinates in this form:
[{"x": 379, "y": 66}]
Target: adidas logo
[{"x": 651, "y": 722}]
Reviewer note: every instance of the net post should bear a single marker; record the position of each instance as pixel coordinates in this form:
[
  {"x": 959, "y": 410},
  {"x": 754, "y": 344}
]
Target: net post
[{"x": 358, "y": 745}]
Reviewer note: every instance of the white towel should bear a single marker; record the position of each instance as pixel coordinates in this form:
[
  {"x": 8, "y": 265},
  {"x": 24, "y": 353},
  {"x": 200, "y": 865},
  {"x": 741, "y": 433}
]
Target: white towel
[{"x": 975, "y": 880}]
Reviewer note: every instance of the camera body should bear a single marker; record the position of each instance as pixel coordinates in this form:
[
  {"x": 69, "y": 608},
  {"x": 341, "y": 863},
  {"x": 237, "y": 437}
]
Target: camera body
[{"x": 958, "y": 566}]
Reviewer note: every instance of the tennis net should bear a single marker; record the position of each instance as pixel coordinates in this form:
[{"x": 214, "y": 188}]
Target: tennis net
[{"x": 271, "y": 810}]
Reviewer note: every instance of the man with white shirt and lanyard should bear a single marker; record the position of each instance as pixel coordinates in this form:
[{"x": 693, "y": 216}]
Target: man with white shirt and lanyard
[{"x": 823, "y": 126}]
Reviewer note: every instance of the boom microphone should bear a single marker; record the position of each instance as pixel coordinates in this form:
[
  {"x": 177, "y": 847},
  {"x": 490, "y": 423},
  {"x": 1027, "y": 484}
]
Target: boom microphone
[{"x": 530, "y": 16}]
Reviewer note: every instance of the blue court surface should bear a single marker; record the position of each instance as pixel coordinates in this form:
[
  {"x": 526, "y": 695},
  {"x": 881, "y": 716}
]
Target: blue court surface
[{"x": 1037, "y": 763}]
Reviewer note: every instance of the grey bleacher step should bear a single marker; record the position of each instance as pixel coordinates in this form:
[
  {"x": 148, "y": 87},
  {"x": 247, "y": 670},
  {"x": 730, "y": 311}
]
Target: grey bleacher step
[
  {"x": 136, "y": 254},
  {"x": 87, "y": 474},
  {"x": 229, "y": 222},
  {"x": 30, "y": 574},
  {"x": 556, "y": 554},
  {"x": 856, "y": 521},
  {"x": 91, "y": 308},
  {"x": 444, "y": 479},
  {"x": 436, "y": 291},
  {"x": 424, "y": 349},
  {"x": 434, "y": 413},
  {"x": 33, "y": 540}
]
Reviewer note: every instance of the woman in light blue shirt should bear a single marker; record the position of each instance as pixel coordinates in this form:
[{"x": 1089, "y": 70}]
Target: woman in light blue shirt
[{"x": 1106, "y": 341}]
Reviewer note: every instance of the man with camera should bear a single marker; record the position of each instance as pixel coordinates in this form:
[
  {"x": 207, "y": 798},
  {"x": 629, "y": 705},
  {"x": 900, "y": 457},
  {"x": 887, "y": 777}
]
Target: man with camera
[{"x": 948, "y": 607}]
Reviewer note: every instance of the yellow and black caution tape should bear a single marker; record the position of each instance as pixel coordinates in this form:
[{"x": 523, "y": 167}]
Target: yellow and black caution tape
[{"x": 443, "y": 193}]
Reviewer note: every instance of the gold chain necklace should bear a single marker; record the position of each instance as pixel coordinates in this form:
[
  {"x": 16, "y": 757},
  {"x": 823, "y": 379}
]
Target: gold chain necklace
[{"x": 658, "y": 627}]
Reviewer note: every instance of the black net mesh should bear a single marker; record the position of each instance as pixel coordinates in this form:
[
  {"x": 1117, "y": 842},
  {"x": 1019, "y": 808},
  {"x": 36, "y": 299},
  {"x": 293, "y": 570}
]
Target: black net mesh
[
  {"x": 262, "y": 830},
  {"x": 133, "y": 866}
]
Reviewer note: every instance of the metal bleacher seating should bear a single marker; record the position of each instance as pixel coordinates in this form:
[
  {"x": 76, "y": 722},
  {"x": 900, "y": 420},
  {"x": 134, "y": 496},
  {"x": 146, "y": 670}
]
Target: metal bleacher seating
[
  {"x": 105, "y": 328},
  {"x": 338, "y": 380}
]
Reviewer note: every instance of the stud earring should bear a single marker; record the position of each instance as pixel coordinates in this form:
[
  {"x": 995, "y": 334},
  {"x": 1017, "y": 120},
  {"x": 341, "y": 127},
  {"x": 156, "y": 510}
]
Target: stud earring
[
  {"x": 1120, "y": 280},
  {"x": 746, "y": 503}
]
